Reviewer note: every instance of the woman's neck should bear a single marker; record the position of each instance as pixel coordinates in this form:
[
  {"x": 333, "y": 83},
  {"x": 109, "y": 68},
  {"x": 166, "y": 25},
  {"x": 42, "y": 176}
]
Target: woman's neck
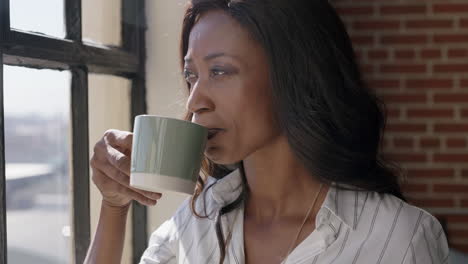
[{"x": 280, "y": 186}]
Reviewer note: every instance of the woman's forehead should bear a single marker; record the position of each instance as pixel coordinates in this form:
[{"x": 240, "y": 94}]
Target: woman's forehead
[{"x": 216, "y": 31}]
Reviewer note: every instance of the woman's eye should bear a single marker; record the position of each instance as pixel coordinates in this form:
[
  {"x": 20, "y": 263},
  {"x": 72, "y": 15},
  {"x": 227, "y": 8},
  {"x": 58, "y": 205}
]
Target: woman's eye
[
  {"x": 216, "y": 72},
  {"x": 189, "y": 76}
]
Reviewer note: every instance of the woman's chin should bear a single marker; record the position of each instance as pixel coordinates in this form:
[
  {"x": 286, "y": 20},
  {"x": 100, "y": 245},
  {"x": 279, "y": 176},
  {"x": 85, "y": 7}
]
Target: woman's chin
[{"x": 215, "y": 155}]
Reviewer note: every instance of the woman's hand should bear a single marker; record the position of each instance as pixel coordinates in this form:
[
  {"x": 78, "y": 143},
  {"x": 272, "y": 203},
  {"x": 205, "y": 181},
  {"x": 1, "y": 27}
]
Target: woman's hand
[{"x": 111, "y": 171}]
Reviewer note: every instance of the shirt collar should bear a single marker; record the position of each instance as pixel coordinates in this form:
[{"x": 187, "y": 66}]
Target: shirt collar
[
  {"x": 227, "y": 189},
  {"x": 347, "y": 205}
]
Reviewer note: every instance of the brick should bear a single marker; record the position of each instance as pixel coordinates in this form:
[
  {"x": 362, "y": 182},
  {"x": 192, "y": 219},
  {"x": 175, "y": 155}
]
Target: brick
[
  {"x": 459, "y": 232},
  {"x": 455, "y": 142},
  {"x": 367, "y": 68},
  {"x": 393, "y": 112},
  {"x": 403, "y": 68},
  {"x": 430, "y": 113},
  {"x": 451, "y": 97},
  {"x": 451, "y": 128},
  {"x": 384, "y": 84},
  {"x": 429, "y": 23},
  {"x": 403, "y": 142},
  {"x": 464, "y": 112},
  {"x": 457, "y": 53},
  {"x": 403, "y": 39},
  {"x": 453, "y": 218},
  {"x": 429, "y": 83},
  {"x": 450, "y": 188},
  {"x": 414, "y": 187},
  {"x": 451, "y": 158},
  {"x": 405, "y": 98},
  {"x": 407, "y": 127},
  {"x": 429, "y": 142},
  {"x": 464, "y": 22},
  {"x": 464, "y": 83},
  {"x": 404, "y": 54},
  {"x": 459, "y": 246},
  {"x": 430, "y": 53},
  {"x": 376, "y": 25},
  {"x": 464, "y": 203},
  {"x": 430, "y": 202},
  {"x": 407, "y": 157},
  {"x": 451, "y": 38},
  {"x": 402, "y": 9},
  {"x": 431, "y": 173},
  {"x": 359, "y": 54},
  {"x": 384, "y": 142},
  {"x": 450, "y": 8},
  {"x": 377, "y": 54},
  {"x": 451, "y": 68},
  {"x": 355, "y": 10},
  {"x": 362, "y": 39}
]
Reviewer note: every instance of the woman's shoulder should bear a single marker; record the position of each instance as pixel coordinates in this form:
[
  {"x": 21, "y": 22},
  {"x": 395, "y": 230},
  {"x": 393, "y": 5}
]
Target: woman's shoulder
[
  {"x": 423, "y": 231},
  {"x": 360, "y": 208},
  {"x": 390, "y": 211},
  {"x": 390, "y": 227},
  {"x": 400, "y": 222},
  {"x": 398, "y": 210},
  {"x": 386, "y": 214}
]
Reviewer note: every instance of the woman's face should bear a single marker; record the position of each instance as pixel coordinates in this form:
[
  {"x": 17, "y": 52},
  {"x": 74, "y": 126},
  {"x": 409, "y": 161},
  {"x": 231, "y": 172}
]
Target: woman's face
[{"x": 229, "y": 88}]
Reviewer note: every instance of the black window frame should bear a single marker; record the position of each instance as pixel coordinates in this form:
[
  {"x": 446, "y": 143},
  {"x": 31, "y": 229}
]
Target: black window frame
[{"x": 28, "y": 49}]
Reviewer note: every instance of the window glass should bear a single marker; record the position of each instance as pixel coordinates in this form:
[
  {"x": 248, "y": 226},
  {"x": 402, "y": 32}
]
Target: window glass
[
  {"x": 37, "y": 151},
  {"x": 101, "y": 22},
  {"x": 44, "y": 16}
]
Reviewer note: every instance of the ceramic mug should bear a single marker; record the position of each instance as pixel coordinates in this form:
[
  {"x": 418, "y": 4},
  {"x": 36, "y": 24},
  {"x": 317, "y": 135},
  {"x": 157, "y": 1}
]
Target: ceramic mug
[{"x": 166, "y": 154}]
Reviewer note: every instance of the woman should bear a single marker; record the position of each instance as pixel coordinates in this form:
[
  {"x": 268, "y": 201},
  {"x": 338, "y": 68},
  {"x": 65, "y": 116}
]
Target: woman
[{"x": 294, "y": 169}]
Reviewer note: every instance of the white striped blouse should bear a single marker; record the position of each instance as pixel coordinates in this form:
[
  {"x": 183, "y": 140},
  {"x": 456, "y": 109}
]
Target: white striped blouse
[{"x": 351, "y": 227}]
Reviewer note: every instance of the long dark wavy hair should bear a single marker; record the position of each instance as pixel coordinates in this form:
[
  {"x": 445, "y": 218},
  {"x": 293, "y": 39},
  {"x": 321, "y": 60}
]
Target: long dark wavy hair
[{"x": 333, "y": 122}]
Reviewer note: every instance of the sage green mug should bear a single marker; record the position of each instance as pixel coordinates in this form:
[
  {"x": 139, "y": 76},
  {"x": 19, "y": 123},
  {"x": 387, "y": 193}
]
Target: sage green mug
[{"x": 166, "y": 154}]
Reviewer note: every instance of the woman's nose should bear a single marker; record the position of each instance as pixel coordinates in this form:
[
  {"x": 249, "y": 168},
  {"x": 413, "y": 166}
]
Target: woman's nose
[{"x": 199, "y": 99}]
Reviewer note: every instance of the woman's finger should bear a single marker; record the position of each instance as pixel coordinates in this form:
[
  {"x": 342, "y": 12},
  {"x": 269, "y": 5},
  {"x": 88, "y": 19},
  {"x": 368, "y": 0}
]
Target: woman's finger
[
  {"x": 107, "y": 184},
  {"x": 121, "y": 140},
  {"x": 124, "y": 180},
  {"x": 137, "y": 196},
  {"x": 118, "y": 160}
]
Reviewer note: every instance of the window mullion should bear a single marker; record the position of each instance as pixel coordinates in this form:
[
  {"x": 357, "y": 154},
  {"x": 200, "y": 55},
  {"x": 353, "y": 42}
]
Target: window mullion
[
  {"x": 4, "y": 20},
  {"x": 4, "y": 30},
  {"x": 80, "y": 163},
  {"x": 73, "y": 19},
  {"x": 80, "y": 137},
  {"x": 3, "y": 227},
  {"x": 133, "y": 38}
]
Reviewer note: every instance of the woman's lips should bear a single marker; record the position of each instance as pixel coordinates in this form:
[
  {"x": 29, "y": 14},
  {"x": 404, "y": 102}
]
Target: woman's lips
[{"x": 212, "y": 132}]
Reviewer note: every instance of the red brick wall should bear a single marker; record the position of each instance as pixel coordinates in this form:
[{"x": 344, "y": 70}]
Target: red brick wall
[{"x": 414, "y": 53}]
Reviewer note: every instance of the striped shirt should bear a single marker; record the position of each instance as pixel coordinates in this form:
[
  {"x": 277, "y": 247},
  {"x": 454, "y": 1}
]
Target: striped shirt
[{"x": 351, "y": 227}]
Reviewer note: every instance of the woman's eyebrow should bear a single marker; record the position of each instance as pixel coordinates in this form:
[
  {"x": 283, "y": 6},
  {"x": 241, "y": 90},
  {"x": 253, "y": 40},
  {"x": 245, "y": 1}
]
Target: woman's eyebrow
[{"x": 212, "y": 56}]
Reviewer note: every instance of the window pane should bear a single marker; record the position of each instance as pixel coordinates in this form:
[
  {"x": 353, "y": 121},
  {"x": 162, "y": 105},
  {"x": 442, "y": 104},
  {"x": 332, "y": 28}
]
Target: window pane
[
  {"x": 45, "y": 16},
  {"x": 37, "y": 127},
  {"x": 109, "y": 107},
  {"x": 101, "y": 21}
]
